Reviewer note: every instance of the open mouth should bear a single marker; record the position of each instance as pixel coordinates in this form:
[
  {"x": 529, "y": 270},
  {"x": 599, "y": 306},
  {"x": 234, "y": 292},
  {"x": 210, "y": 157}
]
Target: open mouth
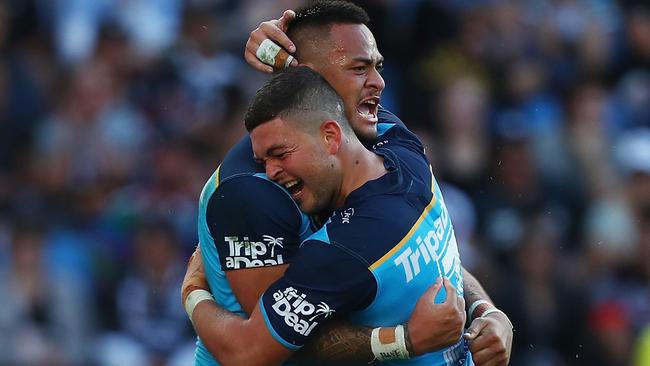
[
  {"x": 294, "y": 187},
  {"x": 368, "y": 108}
]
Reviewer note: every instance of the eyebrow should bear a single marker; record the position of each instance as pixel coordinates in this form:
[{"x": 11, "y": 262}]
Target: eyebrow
[
  {"x": 270, "y": 151},
  {"x": 368, "y": 61}
]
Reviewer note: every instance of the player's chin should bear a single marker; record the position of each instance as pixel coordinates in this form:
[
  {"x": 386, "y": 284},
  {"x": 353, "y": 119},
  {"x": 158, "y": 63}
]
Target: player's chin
[
  {"x": 311, "y": 206},
  {"x": 306, "y": 207},
  {"x": 366, "y": 129}
]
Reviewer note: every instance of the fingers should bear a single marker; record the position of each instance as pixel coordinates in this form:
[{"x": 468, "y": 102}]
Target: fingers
[
  {"x": 251, "y": 57},
  {"x": 452, "y": 295},
  {"x": 285, "y": 19},
  {"x": 491, "y": 356},
  {"x": 197, "y": 249},
  {"x": 431, "y": 293},
  {"x": 475, "y": 329},
  {"x": 194, "y": 275},
  {"x": 272, "y": 32}
]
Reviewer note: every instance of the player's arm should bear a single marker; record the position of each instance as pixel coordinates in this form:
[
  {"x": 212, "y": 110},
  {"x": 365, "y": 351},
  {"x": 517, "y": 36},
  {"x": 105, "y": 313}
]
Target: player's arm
[
  {"x": 237, "y": 341},
  {"x": 490, "y": 330},
  {"x": 430, "y": 327},
  {"x": 220, "y": 329},
  {"x": 260, "y": 211},
  {"x": 255, "y": 227},
  {"x": 232, "y": 339},
  {"x": 285, "y": 315},
  {"x": 249, "y": 284}
]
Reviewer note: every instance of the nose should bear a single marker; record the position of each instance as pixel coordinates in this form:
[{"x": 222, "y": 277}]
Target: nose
[
  {"x": 273, "y": 170},
  {"x": 375, "y": 80}
]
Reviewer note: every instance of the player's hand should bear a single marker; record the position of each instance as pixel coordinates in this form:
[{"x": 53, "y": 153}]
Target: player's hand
[
  {"x": 274, "y": 30},
  {"x": 434, "y": 326},
  {"x": 194, "y": 276},
  {"x": 490, "y": 340}
]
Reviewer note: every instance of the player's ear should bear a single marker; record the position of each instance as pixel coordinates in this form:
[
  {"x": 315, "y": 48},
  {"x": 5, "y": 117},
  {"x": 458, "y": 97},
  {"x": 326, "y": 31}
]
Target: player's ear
[{"x": 331, "y": 134}]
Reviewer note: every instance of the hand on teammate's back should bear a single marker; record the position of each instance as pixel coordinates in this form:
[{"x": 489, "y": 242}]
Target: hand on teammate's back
[
  {"x": 274, "y": 30},
  {"x": 434, "y": 326},
  {"x": 194, "y": 276}
]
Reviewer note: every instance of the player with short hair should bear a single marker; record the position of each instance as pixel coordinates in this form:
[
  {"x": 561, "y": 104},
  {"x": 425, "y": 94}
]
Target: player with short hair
[
  {"x": 360, "y": 84},
  {"x": 389, "y": 238}
]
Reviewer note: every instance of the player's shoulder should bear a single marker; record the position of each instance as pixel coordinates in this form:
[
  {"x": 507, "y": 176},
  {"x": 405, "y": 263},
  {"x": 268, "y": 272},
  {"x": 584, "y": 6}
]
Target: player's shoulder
[
  {"x": 367, "y": 228},
  {"x": 239, "y": 160}
]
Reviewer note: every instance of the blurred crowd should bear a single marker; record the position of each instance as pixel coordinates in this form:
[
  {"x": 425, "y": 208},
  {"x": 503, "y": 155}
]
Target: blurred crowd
[{"x": 113, "y": 113}]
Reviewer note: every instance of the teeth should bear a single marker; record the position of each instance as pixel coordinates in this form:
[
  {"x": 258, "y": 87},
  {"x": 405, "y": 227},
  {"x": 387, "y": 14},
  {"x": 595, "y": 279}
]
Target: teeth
[{"x": 290, "y": 184}]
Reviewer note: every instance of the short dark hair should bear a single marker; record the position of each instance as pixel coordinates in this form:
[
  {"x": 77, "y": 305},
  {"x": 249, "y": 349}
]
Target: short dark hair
[
  {"x": 299, "y": 94},
  {"x": 322, "y": 12},
  {"x": 314, "y": 22}
]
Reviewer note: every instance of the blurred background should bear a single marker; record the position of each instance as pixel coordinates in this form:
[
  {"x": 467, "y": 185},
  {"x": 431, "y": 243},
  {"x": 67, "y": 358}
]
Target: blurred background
[{"x": 113, "y": 113}]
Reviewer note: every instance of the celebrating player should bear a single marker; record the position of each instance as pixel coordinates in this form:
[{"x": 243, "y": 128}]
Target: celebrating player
[{"x": 335, "y": 42}]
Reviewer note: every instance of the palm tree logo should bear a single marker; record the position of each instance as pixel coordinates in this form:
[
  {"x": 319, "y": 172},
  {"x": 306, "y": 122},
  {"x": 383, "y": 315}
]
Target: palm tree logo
[
  {"x": 272, "y": 242},
  {"x": 323, "y": 309}
]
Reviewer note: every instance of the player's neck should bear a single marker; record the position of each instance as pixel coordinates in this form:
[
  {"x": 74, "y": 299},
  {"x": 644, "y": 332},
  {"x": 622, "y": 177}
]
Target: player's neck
[{"x": 359, "y": 167}]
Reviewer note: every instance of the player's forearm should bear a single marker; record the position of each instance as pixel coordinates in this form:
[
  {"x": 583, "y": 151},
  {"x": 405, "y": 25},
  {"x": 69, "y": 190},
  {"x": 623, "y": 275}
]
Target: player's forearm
[
  {"x": 472, "y": 289},
  {"x": 227, "y": 336},
  {"x": 338, "y": 342}
]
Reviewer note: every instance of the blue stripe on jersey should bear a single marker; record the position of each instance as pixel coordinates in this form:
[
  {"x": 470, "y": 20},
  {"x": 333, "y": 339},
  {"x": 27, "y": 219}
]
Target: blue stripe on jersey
[
  {"x": 273, "y": 332},
  {"x": 383, "y": 127},
  {"x": 321, "y": 235}
]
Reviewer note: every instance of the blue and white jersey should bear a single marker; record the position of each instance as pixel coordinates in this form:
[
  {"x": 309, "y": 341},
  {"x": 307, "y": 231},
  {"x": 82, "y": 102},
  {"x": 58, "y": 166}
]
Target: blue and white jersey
[
  {"x": 375, "y": 256},
  {"x": 245, "y": 221}
]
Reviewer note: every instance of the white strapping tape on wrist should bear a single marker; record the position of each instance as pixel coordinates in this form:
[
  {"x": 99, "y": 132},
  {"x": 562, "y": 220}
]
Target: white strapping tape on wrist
[
  {"x": 194, "y": 298},
  {"x": 389, "y": 351},
  {"x": 476, "y": 304},
  {"x": 495, "y": 310}
]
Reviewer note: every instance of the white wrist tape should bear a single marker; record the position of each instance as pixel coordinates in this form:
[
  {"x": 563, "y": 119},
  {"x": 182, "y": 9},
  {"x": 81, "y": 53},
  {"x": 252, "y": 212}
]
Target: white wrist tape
[
  {"x": 389, "y": 351},
  {"x": 495, "y": 310},
  {"x": 194, "y": 298},
  {"x": 475, "y": 305}
]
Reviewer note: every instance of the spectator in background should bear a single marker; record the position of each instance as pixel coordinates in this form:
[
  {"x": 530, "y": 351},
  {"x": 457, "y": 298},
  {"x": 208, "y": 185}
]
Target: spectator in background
[
  {"x": 46, "y": 316},
  {"x": 549, "y": 309},
  {"x": 150, "y": 323},
  {"x": 566, "y": 79}
]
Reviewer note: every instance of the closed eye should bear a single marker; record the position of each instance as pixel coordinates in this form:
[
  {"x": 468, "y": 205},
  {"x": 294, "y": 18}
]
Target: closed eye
[
  {"x": 281, "y": 156},
  {"x": 359, "y": 69}
]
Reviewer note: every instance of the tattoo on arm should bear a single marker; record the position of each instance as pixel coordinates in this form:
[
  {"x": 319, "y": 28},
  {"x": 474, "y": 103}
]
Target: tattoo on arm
[
  {"x": 472, "y": 289},
  {"x": 338, "y": 342}
]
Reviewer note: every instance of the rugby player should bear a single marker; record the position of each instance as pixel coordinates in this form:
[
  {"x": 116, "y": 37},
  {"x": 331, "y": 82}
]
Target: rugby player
[
  {"x": 388, "y": 239},
  {"x": 268, "y": 250}
]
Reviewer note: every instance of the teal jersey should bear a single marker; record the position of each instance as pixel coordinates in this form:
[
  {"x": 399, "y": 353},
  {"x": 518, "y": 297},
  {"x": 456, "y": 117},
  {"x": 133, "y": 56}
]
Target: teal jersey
[
  {"x": 245, "y": 221},
  {"x": 375, "y": 256}
]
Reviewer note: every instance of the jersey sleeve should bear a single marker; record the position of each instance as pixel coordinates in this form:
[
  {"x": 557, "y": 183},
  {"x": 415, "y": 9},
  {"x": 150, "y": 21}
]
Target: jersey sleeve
[
  {"x": 323, "y": 282},
  {"x": 254, "y": 223}
]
